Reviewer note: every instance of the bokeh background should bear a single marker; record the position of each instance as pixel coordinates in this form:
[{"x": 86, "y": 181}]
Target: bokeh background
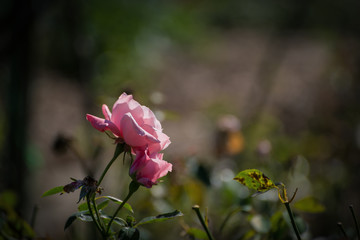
[{"x": 237, "y": 84}]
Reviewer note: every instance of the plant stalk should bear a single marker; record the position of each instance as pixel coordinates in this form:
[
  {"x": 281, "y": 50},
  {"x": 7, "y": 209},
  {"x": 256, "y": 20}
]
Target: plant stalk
[
  {"x": 97, "y": 213},
  {"x": 197, "y": 210},
  {"x": 291, "y": 215},
  {"x": 133, "y": 187},
  {"x": 119, "y": 149},
  {"x": 98, "y": 226}
]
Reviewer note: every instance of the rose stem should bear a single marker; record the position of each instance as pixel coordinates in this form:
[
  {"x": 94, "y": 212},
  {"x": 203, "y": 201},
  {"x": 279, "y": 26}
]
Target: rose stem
[
  {"x": 133, "y": 187},
  {"x": 196, "y": 209},
  {"x": 119, "y": 149},
  {"x": 287, "y": 205}
]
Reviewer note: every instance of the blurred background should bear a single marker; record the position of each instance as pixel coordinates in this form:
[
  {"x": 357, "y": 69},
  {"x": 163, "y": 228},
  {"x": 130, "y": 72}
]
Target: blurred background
[{"x": 237, "y": 84}]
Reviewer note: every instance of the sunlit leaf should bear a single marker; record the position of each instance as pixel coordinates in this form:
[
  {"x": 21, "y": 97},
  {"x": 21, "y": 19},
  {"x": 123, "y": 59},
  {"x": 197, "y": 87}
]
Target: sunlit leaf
[
  {"x": 118, "y": 201},
  {"x": 119, "y": 221},
  {"x": 128, "y": 233},
  {"x": 53, "y": 191},
  {"x": 159, "y": 218},
  {"x": 86, "y": 217},
  {"x": 197, "y": 233},
  {"x": 254, "y": 179},
  {"x": 102, "y": 205},
  {"x": 310, "y": 205},
  {"x": 83, "y": 207}
]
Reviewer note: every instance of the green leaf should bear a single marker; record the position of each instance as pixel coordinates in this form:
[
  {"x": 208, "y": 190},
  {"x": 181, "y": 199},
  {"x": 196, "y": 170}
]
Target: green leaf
[
  {"x": 127, "y": 233},
  {"x": 197, "y": 233},
  {"x": 255, "y": 179},
  {"x": 102, "y": 205},
  {"x": 309, "y": 205},
  {"x": 69, "y": 221},
  {"x": 55, "y": 190},
  {"x": 83, "y": 207},
  {"x": 118, "y": 201},
  {"x": 83, "y": 215},
  {"x": 119, "y": 221},
  {"x": 159, "y": 218}
]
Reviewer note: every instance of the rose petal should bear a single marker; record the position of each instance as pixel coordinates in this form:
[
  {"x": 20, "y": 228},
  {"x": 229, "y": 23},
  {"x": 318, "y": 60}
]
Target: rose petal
[
  {"x": 106, "y": 112},
  {"x": 140, "y": 158},
  {"x": 153, "y": 170},
  {"x": 98, "y": 123},
  {"x": 149, "y": 118},
  {"x": 133, "y": 134},
  {"x": 164, "y": 140},
  {"x": 126, "y": 104},
  {"x": 103, "y": 124},
  {"x": 149, "y": 169}
]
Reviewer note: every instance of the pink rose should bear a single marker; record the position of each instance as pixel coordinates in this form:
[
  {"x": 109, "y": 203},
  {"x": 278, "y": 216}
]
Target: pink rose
[
  {"x": 132, "y": 123},
  {"x": 148, "y": 169}
]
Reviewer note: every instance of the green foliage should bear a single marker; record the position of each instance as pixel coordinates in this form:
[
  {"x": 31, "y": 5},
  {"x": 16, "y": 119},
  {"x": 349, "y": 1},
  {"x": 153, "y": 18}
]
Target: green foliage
[
  {"x": 310, "y": 205},
  {"x": 117, "y": 201},
  {"x": 12, "y": 226},
  {"x": 255, "y": 179},
  {"x": 102, "y": 205},
  {"x": 279, "y": 227},
  {"x": 197, "y": 233},
  {"x": 159, "y": 218},
  {"x": 128, "y": 233},
  {"x": 55, "y": 190},
  {"x": 86, "y": 217},
  {"x": 82, "y": 215},
  {"x": 119, "y": 221}
]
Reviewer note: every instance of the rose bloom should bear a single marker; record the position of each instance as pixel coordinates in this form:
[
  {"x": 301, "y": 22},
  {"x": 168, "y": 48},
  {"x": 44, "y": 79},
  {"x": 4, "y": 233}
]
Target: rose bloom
[
  {"x": 132, "y": 123},
  {"x": 146, "y": 169}
]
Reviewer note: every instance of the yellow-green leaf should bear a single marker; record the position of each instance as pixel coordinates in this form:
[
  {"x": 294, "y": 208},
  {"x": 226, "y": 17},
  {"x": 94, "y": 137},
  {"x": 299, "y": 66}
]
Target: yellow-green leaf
[
  {"x": 255, "y": 179},
  {"x": 310, "y": 205},
  {"x": 197, "y": 233},
  {"x": 53, "y": 191}
]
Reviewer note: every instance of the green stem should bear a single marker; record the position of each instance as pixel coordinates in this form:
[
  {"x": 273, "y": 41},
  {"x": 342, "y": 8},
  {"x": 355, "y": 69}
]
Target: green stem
[
  {"x": 93, "y": 217},
  {"x": 101, "y": 224},
  {"x": 197, "y": 210},
  {"x": 133, "y": 187},
  {"x": 355, "y": 220},
  {"x": 287, "y": 205},
  {"x": 228, "y": 217},
  {"x": 119, "y": 149}
]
